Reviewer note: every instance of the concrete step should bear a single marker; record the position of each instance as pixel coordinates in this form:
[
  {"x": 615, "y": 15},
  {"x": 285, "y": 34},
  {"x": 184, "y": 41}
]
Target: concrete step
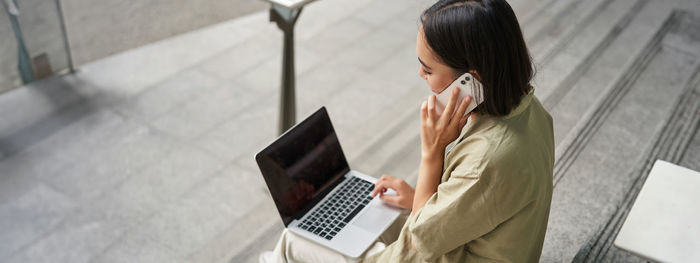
[
  {"x": 592, "y": 42},
  {"x": 561, "y": 65},
  {"x": 242, "y": 242},
  {"x": 26, "y": 112},
  {"x": 671, "y": 145},
  {"x": 592, "y": 179},
  {"x": 526, "y": 10},
  {"x": 534, "y": 22},
  {"x": 399, "y": 132},
  {"x": 580, "y": 91},
  {"x": 562, "y": 27}
]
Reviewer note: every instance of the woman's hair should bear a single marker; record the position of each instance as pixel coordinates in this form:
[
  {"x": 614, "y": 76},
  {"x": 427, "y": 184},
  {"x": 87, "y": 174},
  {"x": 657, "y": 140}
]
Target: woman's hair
[{"x": 482, "y": 35}]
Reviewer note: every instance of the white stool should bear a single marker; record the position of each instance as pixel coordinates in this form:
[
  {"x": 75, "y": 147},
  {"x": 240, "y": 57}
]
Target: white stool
[{"x": 664, "y": 223}]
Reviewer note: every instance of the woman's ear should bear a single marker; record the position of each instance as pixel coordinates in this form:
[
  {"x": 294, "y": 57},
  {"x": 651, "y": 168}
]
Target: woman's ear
[{"x": 475, "y": 74}]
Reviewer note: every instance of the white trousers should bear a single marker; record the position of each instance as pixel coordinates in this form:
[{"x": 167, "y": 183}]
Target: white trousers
[{"x": 292, "y": 248}]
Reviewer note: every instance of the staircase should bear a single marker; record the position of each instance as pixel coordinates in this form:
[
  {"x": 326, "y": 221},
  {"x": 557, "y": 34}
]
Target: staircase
[{"x": 621, "y": 80}]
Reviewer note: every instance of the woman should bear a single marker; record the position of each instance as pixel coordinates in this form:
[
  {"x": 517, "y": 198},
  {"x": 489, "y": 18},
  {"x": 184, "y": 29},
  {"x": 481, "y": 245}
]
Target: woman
[{"x": 486, "y": 198}]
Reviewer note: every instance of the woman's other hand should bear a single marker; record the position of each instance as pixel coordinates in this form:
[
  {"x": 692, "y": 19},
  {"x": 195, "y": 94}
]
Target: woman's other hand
[
  {"x": 404, "y": 192},
  {"x": 440, "y": 129}
]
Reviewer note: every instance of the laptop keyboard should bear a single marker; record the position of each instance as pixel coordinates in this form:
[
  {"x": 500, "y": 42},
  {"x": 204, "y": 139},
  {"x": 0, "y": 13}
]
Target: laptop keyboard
[{"x": 327, "y": 220}]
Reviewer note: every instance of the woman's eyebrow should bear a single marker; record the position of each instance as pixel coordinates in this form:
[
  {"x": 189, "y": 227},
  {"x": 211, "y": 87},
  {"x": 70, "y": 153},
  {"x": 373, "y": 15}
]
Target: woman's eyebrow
[{"x": 424, "y": 65}]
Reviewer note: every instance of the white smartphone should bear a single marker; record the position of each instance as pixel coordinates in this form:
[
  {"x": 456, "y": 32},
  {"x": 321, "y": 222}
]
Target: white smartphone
[{"x": 468, "y": 85}]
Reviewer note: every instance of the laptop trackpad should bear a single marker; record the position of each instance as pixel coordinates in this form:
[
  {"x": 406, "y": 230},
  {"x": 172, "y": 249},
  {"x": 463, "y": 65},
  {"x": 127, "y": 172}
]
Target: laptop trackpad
[{"x": 374, "y": 218}]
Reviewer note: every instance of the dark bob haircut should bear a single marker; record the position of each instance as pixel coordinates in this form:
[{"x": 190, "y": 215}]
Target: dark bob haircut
[{"x": 482, "y": 35}]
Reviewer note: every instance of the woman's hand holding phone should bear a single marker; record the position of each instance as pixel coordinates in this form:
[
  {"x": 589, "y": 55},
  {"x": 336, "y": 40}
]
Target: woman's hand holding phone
[
  {"x": 468, "y": 85},
  {"x": 437, "y": 131},
  {"x": 440, "y": 129}
]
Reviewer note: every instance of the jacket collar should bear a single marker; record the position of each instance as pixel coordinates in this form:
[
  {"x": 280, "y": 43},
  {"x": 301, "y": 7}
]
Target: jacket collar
[{"x": 474, "y": 121}]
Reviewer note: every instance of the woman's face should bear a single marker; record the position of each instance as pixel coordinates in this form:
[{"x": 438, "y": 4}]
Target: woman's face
[{"x": 437, "y": 74}]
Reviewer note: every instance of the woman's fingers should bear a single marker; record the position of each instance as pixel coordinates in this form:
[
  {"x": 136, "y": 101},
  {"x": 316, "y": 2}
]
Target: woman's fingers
[
  {"x": 465, "y": 104},
  {"x": 391, "y": 199},
  {"x": 404, "y": 193},
  {"x": 381, "y": 185},
  {"x": 431, "y": 106},
  {"x": 463, "y": 121},
  {"x": 378, "y": 188},
  {"x": 385, "y": 182},
  {"x": 449, "y": 109},
  {"x": 462, "y": 109}
]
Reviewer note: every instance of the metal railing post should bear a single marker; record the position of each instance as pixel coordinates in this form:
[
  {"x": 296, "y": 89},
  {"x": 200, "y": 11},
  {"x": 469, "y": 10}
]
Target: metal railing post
[
  {"x": 24, "y": 65},
  {"x": 65, "y": 36},
  {"x": 285, "y": 19}
]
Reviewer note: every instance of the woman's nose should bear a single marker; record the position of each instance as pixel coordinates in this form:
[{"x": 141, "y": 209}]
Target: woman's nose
[{"x": 420, "y": 73}]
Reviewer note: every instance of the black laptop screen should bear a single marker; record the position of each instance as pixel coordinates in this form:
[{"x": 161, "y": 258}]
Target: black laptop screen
[{"x": 302, "y": 165}]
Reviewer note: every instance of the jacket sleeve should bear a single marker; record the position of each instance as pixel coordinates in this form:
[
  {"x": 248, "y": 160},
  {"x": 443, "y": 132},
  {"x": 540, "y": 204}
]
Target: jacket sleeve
[{"x": 457, "y": 213}]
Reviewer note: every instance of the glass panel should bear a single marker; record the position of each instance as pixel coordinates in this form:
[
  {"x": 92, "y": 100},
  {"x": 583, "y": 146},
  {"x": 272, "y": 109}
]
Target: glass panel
[
  {"x": 36, "y": 26},
  {"x": 9, "y": 76}
]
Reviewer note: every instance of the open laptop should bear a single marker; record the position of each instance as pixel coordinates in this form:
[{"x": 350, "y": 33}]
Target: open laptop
[{"x": 316, "y": 193}]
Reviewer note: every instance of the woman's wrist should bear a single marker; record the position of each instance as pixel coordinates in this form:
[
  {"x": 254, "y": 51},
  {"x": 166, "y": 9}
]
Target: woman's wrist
[
  {"x": 429, "y": 174},
  {"x": 431, "y": 166},
  {"x": 432, "y": 156}
]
